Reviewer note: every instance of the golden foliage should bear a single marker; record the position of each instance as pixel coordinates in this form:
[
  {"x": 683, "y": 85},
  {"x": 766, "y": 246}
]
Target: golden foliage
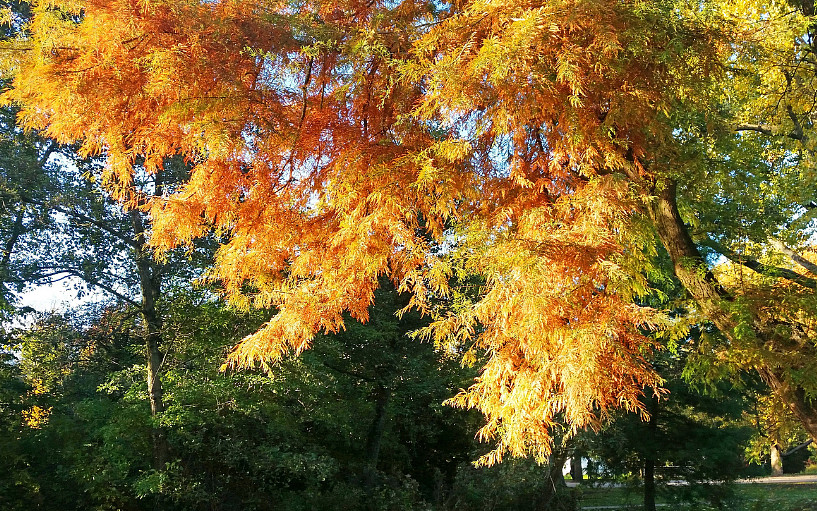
[
  {"x": 36, "y": 416},
  {"x": 335, "y": 142}
]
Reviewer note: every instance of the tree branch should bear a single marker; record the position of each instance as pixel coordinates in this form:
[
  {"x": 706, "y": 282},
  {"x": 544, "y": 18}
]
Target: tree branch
[
  {"x": 764, "y": 129},
  {"x": 769, "y": 130},
  {"x": 761, "y": 268},
  {"x": 16, "y": 232},
  {"x": 796, "y": 448},
  {"x": 797, "y": 258},
  {"x": 349, "y": 373},
  {"x": 798, "y": 133},
  {"x": 125, "y": 237},
  {"x": 87, "y": 279},
  {"x": 48, "y": 151}
]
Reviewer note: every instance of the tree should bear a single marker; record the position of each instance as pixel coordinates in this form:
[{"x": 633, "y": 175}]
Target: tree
[
  {"x": 299, "y": 439},
  {"x": 74, "y": 447},
  {"x": 763, "y": 302},
  {"x": 552, "y": 148},
  {"x": 777, "y": 436},
  {"x": 696, "y": 435},
  {"x": 24, "y": 169},
  {"x": 85, "y": 238}
]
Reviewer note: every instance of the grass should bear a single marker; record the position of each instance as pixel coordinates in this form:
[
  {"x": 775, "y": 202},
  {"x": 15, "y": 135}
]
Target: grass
[
  {"x": 780, "y": 497},
  {"x": 738, "y": 497}
]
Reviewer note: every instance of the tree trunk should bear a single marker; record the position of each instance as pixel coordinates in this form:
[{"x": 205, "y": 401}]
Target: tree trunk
[
  {"x": 776, "y": 460},
  {"x": 155, "y": 391},
  {"x": 14, "y": 237},
  {"x": 556, "y": 496},
  {"x": 576, "y": 472},
  {"x": 698, "y": 280},
  {"x": 150, "y": 284},
  {"x": 556, "y": 463},
  {"x": 375, "y": 437},
  {"x": 650, "y": 457},
  {"x": 649, "y": 484},
  {"x": 689, "y": 266}
]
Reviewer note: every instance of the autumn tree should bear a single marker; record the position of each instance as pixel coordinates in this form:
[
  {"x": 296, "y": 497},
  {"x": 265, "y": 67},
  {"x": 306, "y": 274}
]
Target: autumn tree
[{"x": 556, "y": 149}]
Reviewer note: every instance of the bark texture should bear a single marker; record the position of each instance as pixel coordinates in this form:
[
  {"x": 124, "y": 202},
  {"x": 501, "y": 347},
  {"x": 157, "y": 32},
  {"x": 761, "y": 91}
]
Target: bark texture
[{"x": 776, "y": 459}]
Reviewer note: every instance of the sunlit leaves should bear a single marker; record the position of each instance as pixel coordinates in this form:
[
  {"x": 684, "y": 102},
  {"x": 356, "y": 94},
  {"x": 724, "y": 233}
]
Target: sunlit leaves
[{"x": 335, "y": 143}]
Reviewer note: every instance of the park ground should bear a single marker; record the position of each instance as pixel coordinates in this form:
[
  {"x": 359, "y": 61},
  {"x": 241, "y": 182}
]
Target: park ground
[{"x": 786, "y": 493}]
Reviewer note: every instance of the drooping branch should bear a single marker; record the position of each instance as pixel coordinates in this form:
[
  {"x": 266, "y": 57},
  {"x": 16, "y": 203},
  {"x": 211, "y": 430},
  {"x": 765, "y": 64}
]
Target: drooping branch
[
  {"x": 761, "y": 268},
  {"x": 794, "y": 256},
  {"x": 73, "y": 272},
  {"x": 794, "y": 397}
]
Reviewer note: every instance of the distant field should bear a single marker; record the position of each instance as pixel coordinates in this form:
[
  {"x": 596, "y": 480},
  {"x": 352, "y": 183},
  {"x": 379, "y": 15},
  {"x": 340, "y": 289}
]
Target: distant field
[{"x": 738, "y": 497}]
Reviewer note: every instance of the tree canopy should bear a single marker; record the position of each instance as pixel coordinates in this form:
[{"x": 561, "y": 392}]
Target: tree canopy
[{"x": 530, "y": 172}]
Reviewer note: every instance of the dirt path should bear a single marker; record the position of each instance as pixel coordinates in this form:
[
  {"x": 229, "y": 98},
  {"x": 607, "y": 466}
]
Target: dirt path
[{"x": 787, "y": 479}]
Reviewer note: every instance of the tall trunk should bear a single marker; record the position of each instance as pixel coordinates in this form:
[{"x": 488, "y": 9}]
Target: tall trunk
[
  {"x": 375, "y": 436},
  {"x": 150, "y": 284},
  {"x": 692, "y": 272},
  {"x": 776, "y": 457},
  {"x": 650, "y": 456},
  {"x": 576, "y": 472}
]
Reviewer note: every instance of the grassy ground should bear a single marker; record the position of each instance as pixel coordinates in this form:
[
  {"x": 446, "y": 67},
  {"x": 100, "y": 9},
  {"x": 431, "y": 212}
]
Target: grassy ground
[{"x": 739, "y": 497}]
